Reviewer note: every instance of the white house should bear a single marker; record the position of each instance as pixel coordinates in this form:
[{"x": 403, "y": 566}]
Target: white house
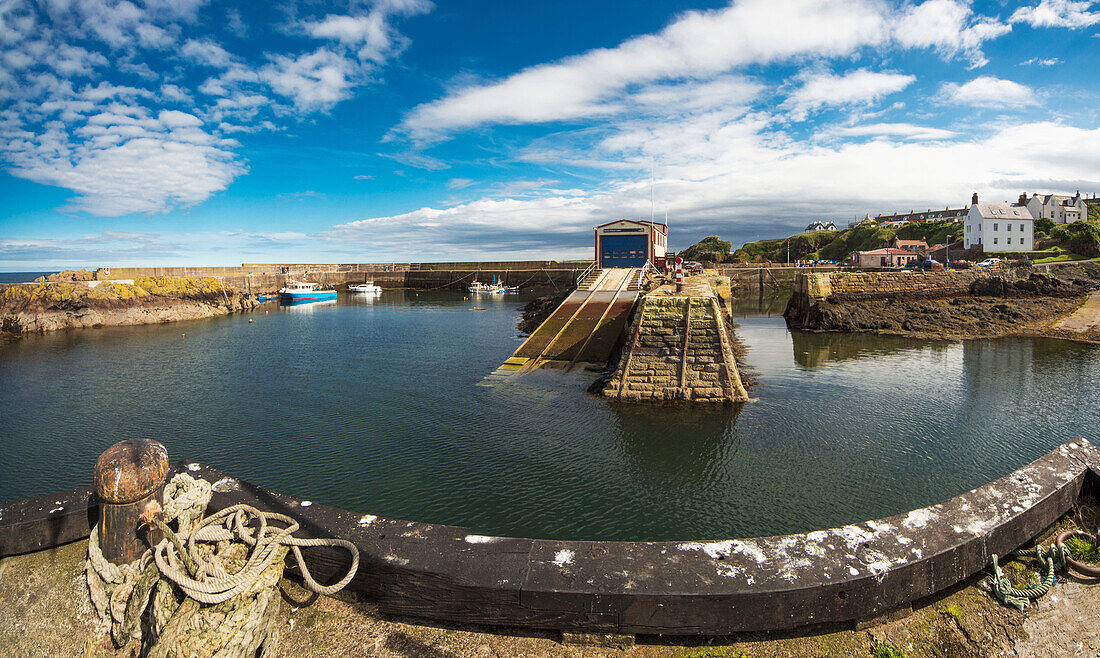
[
  {"x": 1059, "y": 208},
  {"x": 999, "y": 226},
  {"x": 821, "y": 226}
]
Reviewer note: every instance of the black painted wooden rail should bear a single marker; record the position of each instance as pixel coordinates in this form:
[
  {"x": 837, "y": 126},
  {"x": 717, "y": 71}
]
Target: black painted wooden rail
[{"x": 685, "y": 588}]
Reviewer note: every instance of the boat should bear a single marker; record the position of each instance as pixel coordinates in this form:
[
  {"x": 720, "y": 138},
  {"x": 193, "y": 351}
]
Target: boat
[
  {"x": 492, "y": 288},
  {"x": 366, "y": 286},
  {"x": 302, "y": 291},
  {"x": 477, "y": 286}
]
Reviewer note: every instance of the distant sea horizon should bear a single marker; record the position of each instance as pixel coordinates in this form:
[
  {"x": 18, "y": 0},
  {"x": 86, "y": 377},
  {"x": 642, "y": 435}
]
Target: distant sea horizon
[{"x": 24, "y": 276}]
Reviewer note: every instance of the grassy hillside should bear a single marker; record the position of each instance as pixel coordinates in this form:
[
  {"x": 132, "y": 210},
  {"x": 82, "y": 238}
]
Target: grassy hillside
[
  {"x": 711, "y": 249},
  {"x": 838, "y": 245}
]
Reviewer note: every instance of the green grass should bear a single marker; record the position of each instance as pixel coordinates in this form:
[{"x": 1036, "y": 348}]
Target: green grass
[
  {"x": 1061, "y": 257},
  {"x": 1083, "y": 550},
  {"x": 886, "y": 650},
  {"x": 838, "y": 245}
]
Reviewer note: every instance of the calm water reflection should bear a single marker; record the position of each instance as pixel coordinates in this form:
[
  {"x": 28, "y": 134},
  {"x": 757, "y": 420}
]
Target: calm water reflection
[{"x": 372, "y": 404}]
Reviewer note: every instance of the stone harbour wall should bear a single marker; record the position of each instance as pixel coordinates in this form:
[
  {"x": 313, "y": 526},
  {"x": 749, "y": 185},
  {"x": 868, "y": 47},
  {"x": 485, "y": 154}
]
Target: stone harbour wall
[
  {"x": 869, "y": 285},
  {"x": 901, "y": 282},
  {"x": 679, "y": 350}
]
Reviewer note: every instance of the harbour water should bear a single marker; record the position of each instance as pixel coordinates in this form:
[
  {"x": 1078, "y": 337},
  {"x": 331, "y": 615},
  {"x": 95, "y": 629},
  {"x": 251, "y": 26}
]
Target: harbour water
[{"x": 373, "y": 404}]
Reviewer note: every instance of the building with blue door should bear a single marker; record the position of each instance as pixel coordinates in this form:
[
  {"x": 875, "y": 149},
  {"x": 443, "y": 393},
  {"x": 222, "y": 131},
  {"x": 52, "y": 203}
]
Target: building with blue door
[{"x": 630, "y": 243}]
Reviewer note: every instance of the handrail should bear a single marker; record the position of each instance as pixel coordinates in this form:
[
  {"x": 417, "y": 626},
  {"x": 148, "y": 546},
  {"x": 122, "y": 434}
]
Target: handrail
[{"x": 586, "y": 272}]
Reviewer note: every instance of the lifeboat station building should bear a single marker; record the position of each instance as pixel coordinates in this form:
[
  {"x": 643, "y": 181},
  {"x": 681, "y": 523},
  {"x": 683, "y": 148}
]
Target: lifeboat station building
[{"x": 631, "y": 243}]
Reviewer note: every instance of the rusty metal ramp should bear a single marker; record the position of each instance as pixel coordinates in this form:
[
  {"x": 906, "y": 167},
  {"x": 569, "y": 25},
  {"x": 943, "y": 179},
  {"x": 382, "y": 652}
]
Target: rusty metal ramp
[{"x": 582, "y": 330}]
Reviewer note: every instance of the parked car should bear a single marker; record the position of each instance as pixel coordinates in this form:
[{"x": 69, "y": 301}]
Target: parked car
[
  {"x": 990, "y": 263},
  {"x": 693, "y": 267},
  {"x": 930, "y": 265}
]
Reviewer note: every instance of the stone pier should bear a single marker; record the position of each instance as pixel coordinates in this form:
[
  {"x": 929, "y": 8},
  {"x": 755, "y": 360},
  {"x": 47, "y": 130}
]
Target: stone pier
[{"x": 678, "y": 348}]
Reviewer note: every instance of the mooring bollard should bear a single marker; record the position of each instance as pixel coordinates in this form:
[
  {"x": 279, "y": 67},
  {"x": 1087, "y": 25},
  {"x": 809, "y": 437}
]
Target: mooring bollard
[
  {"x": 128, "y": 475},
  {"x": 679, "y": 274}
]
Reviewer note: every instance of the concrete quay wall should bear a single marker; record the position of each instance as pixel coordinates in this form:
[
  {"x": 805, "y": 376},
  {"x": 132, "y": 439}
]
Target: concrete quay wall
[
  {"x": 315, "y": 269},
  {"x": 743, "y": 278},
  {"x": 389, "y": 276},
  {"x": 887, "y": 283},
  {"x": 700, "y": 586}
]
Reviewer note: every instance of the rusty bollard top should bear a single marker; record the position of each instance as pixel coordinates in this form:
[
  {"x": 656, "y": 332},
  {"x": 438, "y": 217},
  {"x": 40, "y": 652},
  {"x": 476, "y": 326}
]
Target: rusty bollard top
[{"x": 130, "y": 470}]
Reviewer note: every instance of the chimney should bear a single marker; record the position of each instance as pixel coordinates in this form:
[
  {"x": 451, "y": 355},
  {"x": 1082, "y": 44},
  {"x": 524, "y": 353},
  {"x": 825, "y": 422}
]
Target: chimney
[
  {"x": 974, "y": 199},
  {"x": 1023, "y": 199}
]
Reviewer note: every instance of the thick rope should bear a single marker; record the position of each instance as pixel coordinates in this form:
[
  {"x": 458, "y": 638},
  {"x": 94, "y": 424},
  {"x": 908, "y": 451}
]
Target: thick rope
[
  {"x": 213, "y": 583},
  {"x": 1005, "y": 592}
]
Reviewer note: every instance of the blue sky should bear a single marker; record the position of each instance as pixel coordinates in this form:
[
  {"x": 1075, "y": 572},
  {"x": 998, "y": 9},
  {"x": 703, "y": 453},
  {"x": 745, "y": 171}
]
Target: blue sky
[{"x": 192, "y": 132}]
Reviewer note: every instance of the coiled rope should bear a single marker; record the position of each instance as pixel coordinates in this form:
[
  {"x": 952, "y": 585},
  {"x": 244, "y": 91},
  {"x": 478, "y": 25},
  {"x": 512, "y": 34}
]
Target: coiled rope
[
  {"x": 1056, "y": 557},
  {"x": 212, "y": 582},
  {"x": 1005, "y": 592}
]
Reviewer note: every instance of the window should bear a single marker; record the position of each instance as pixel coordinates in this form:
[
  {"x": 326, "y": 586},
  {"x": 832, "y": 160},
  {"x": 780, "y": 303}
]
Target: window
[
  {"x": 1021, "y": 227},
  {"x": 1010, "y": 241},
  {"x": 1009, "y": 227},
  {"x": 994, "y": 226},
  {"x": 994, "y": 240}
]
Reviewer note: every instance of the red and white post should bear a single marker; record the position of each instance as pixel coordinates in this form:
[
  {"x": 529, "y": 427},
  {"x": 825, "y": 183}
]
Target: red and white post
[{"x": 679, "y": 274}]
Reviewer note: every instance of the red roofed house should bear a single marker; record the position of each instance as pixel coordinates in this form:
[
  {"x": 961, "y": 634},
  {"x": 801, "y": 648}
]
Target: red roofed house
[{"x": 888, "y": 257}]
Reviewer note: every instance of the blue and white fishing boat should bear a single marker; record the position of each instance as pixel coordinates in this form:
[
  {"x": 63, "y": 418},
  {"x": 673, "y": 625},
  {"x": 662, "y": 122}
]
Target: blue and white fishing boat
[{"x": 300, "y": 291}]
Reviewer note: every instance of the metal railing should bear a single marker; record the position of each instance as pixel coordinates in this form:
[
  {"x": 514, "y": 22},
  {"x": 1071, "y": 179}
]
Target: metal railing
[{"x": 585, "y": 273}]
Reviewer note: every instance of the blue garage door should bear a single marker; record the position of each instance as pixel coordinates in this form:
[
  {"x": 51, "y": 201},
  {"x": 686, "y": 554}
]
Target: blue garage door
[{"x": 623, "y": 250}]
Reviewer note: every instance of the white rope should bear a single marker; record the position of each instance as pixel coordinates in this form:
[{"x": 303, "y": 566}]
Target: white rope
[
  {"x": 249, "y": 621},
  {"x": 212, "y": 584}
]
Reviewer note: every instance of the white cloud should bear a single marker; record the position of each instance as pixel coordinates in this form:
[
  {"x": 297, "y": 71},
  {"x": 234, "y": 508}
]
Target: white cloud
[
  {"x": 205, "y": 51},
  {"x": 1058, "y": 13},
  {"x": 856, "y": 87},
  {"x": 987, "y": 91},
  {"x": 371, "y": 34},
  {"x": 699, "y": 45},
  {"x": 315, "y": 81},
  {"x": 748, "y": 176},
  {"x": 1050, "y": 61},
  {"x": 128, "y": 163},
  {"x": 74, "y": 117},
  {"x": 947, "y": 26},
  {"x": 906, "y": 130}
]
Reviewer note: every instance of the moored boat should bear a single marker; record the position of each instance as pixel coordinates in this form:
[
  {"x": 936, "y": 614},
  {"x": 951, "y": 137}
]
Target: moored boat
[
  {"x": 366, "y": 286},
  {"x": 302, "y": 291},
  {"x": 491, "y": 288},
  {"x": 477, "y": 286}
]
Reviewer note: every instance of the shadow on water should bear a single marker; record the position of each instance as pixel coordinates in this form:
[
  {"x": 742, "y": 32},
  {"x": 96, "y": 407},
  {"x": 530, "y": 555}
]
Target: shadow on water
[
  {"x": 813, "y": 350},
  {"x": 687, "y": 446},
  {"x": 768, "y": 305}
]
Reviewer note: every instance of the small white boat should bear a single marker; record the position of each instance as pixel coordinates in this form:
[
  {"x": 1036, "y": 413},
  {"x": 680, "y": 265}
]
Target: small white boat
[
  {"x": 366, "y": 286},
  {"x": 492, "y": 288},
  {"x": 477, "y": 286}
]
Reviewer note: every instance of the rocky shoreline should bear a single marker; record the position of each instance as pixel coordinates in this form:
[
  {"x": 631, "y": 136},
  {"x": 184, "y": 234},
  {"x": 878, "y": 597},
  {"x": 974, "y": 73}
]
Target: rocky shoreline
[
  {"x": 991, "y": 307},
  {"x": 51, "y": 306}
]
